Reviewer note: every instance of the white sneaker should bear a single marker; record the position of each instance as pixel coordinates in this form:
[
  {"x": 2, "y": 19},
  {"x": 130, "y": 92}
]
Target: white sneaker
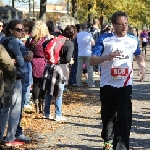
[
  {"x": 28, "y": 106},
  {"x": 22, "y": 137},
  {"x": 48, "y": 117},
  {"x": 60, "y": 118}
]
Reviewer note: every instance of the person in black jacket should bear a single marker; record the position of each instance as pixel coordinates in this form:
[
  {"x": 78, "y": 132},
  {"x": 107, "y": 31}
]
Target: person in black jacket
[
  {"x": 73, "y": 69},
  {"x": 59, "y": 76}
]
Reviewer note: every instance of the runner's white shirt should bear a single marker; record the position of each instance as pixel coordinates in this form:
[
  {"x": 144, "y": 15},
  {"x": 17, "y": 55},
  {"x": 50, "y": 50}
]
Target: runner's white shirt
[{"x": 117, "y": 72}]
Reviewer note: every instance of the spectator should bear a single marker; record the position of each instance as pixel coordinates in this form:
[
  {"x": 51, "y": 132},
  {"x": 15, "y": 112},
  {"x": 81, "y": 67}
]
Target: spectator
[
  {"x": 27, "y": 25},
  {"x": 84, "y": 41},
  {"x": 51, "y": 29},
  {"x": 28, "y": 55},
  {"x": 39, "y": 35},
  {"x": 137, "y": 33},
  {"x": 73, "y": 70},
  {"x": 94, "y": 30},
  {"x": 103, "y": 30},
  {"x": 109, "y": 29},
  {"x": 62, "y": 72},
  {"x": 30, "y": 25},
  {"x": 12, "y": 104}
]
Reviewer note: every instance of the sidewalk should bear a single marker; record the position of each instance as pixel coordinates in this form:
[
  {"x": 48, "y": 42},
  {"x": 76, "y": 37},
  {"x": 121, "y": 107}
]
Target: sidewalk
[{"x": 82, "y": 129}]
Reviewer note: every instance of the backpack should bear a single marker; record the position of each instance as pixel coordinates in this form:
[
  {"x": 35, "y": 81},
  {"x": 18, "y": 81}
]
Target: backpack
[{"x": 52, "y": 49}]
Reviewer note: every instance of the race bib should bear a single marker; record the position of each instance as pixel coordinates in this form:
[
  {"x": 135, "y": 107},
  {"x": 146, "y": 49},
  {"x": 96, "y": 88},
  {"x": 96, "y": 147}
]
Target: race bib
[
  {"x": 119, "y": 72},
  {"x": 144, "y": 40}
]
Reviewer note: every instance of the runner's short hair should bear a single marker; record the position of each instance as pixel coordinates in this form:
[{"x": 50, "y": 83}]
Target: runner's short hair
[{"x": 116, "y": 15}]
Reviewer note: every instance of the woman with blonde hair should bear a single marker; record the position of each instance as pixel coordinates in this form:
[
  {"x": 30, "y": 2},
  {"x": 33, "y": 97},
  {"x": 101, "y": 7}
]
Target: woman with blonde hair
[{"x": 38, "y": 36}]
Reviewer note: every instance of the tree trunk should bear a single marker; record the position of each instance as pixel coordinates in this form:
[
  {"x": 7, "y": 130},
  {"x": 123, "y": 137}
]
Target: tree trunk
[
  {"x": 43, "y": 10},
  {"x": 13, "y": 3}
]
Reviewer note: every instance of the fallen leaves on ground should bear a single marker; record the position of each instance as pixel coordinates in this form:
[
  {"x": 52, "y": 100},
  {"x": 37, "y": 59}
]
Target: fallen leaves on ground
[{"x": 34, "y": 124}]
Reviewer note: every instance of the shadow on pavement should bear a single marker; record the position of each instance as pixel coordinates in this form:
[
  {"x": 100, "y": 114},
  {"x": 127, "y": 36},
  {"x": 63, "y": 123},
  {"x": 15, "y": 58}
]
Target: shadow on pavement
[
  {"x": 84, "y": 125},
  {"x": 141, "y": 92},
  {"x": 90, "y": 135},
  {"x": 139, "y": 144},
  {"x": 83, "y": 117},
  {"x": 79, "y": 147},
  {"x": 140, "y": 124}
]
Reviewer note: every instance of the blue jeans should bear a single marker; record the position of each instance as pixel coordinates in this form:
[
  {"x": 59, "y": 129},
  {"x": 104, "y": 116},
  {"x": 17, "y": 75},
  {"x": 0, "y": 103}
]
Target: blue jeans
[
  {"x": 73, "y": 71},
  {"x": 27, "y": 100},
  {"x": 11, "y": 112},
  {"x": 58, "y": 103},
  {"x": 19, "y": 128}
]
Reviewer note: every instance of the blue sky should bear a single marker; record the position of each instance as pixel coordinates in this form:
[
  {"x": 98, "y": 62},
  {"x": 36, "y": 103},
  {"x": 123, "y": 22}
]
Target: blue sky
[{"x": 25, "y": 4}]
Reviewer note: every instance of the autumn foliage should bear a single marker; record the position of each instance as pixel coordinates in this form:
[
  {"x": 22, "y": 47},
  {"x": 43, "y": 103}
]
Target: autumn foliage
[{"x": 138, "y": 10}]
